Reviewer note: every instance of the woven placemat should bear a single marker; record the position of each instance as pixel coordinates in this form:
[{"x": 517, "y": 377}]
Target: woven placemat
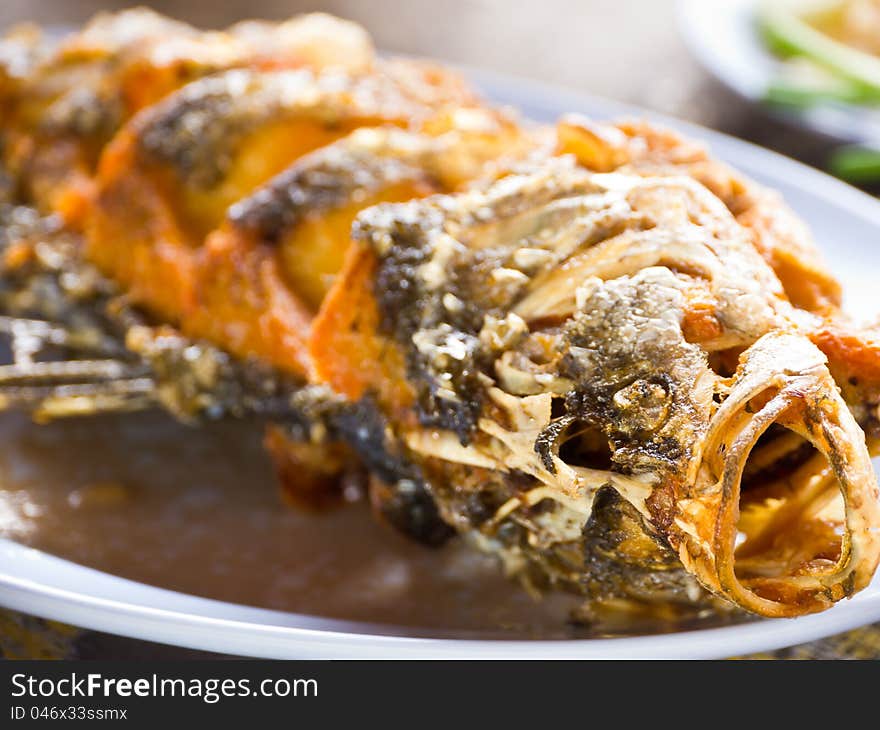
[{"x": 28, "y": 637}]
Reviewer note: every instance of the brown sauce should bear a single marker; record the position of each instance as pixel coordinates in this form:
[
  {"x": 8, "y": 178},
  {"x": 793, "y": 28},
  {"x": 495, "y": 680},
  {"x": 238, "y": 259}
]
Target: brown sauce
[{"x": 197, "y": 510}]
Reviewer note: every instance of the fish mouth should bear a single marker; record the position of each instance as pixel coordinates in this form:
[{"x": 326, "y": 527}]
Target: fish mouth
[{"x": 803, "y": 540}]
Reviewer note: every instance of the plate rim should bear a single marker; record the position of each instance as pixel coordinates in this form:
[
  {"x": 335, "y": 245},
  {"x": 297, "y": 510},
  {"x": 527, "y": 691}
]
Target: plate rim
[{"x": 277, "y": 641}]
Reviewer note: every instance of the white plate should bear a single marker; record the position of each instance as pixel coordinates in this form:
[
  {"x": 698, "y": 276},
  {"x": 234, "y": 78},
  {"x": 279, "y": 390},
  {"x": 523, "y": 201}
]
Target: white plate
[
  {"x": 722, "y": 36},
  {"x": 845, "y": 221}
]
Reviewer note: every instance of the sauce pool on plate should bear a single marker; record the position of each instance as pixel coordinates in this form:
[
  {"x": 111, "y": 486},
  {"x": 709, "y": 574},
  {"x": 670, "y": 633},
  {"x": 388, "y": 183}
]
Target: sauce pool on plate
[{"x": 197, "y": 510}]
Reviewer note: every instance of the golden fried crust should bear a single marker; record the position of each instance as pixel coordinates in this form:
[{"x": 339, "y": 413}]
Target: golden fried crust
[
  {"x": 853, "y": 358},
  {"x": 263, "y": 274},
  {"x": 778, "y": 235},
  {"x": 257, "y": 299},
  {"x": 253, "y": 295},
  {"x": 69, "y": 105},
  {"x": 347, "y": 351},
  {"x": 534, "y": 341},
  {"x": 67, "y": 108},
  {"x": 133, "y": 236},
  {"x": 138, "y": 212},
  {"x": 226, "y": 160},
  {"x": 306, "y": 212},
  {"x": 313, "y": 253},
  {"x": 243, "y": 303},
  {"x": 159, "y": 190}
]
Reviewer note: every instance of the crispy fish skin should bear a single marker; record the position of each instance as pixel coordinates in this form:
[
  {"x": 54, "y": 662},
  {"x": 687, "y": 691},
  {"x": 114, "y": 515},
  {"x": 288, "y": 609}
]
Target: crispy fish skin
[
  {"x": 163, "y": 186},
  {"x": 225, "y": 208},
  {"x": 549, "y": 336},
  {"x": 628, "y": 377},
  {"x": 167, "y": 178},
  {"x": 69, "y": 101},
  {"x": 789, "y": 374},
  {"x": 261, "y": 276},
  {"x": 61, "y": 113},
  {"x": 776, "y": 232}
]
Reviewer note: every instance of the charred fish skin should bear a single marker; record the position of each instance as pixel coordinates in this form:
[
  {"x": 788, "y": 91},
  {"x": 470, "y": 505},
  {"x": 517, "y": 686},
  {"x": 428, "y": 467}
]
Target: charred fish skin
[
  {"x": 625, "y": 558},
  {"x": 54, "y": 300},
  {"x": 445, "y": 360},
  {"x": 368, "y": 161},
  {"x": 634, "y": 373},
  {"x": 558, "y": 358},
  {"x": 435, "y": 293},
  {"x": 303, "y": 215},
  {"x": 584, "y": 314},
  {"x": 297, "y": 225},
  {"x": 399, "y": 491},
  {"x": 197, "y": 132},
  {"x": 68, "y": 97},
  {"x": 188, "y": 190},
  {"x": 415, "y": 311}
]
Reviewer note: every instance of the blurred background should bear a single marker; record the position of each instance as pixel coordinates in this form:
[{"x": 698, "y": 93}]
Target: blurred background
[
  {"x": 628, "y": 50},
  {"x": 624, "y": 49}
]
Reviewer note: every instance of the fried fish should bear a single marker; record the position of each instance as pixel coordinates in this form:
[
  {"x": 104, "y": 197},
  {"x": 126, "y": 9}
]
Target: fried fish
[{"x": 591, "y": 350}]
